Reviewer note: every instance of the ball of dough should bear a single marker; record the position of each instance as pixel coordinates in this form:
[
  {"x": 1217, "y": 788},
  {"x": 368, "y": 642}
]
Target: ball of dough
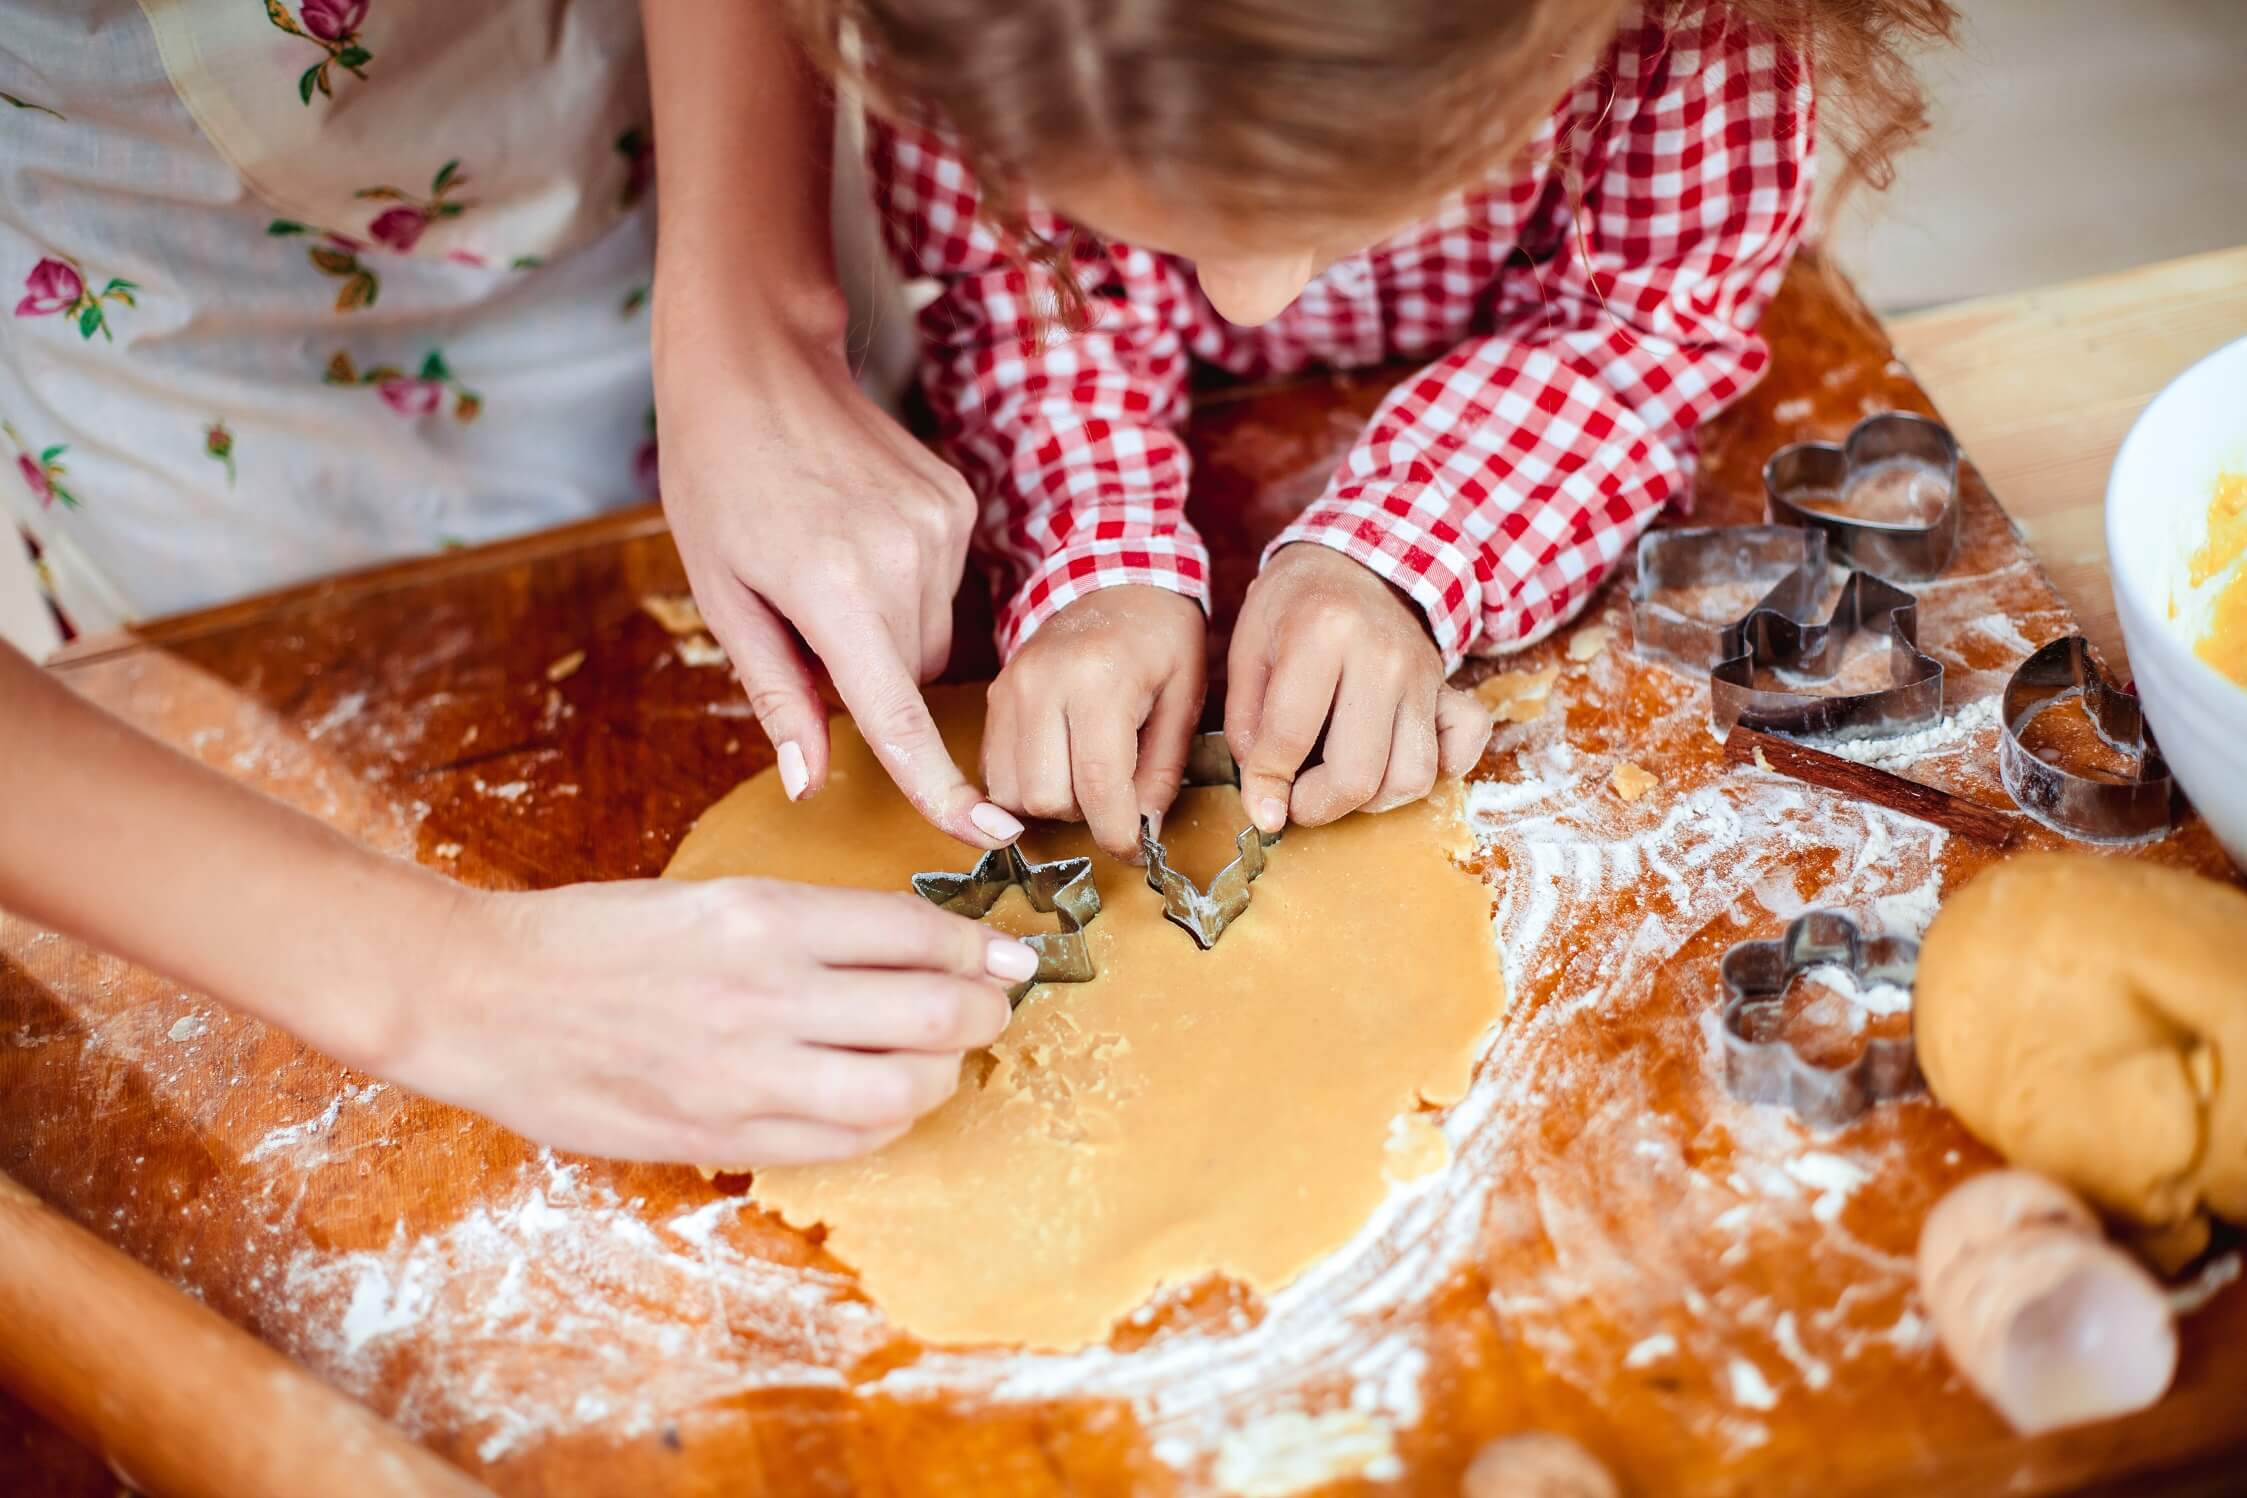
[
  {"x": 1537, "y": 1464},
  {"x": 2086, "y": 1017}
]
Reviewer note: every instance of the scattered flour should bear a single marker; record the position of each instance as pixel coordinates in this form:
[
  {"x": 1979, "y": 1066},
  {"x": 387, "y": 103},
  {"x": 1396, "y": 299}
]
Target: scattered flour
[
  {"x": 1750, "y": 1389},
  {"x": 1960, "y": 731},
  {"x": 1648, "y": 1351},
  {"x": 1831, "y": 1177},
  {"x": 1288, "y": 1452},
  {"x": 188, "y": 1027}
]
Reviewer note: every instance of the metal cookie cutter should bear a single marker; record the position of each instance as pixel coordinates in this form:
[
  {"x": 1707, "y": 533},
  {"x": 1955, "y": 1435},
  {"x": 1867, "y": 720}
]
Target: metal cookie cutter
[
  {"x": 1762, "y": 1066},
  {"x": 1205, "y": 914},
  {"x": 2082, "y": 806},
  {"x": 1770, "y": 641},
  {"x": 1789, "y": 559},
  {"x": 1879, "y": 449},
  {"x": 1063, "y": 887}
]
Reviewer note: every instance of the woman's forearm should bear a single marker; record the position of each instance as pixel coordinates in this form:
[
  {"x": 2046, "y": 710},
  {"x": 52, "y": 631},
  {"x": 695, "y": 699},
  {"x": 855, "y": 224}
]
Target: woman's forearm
[
  {"x": 744, "y": 133},
  {"x": 110, "y": 836}
]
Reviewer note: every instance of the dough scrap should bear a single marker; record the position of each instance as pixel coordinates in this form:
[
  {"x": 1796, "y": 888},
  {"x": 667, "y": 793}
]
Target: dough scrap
[
  {"x": 2086, "y": 1017},
  {"x": 1517, "y": 696},
  {"x": 1631, "y": 781},
  {"x": 1185, "y": 1113}
]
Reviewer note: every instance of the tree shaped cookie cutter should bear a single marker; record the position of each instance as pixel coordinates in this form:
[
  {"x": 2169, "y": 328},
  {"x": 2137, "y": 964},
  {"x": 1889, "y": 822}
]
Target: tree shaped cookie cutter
[
  {"x": 1789, "y": 559},
  {"x": 1063, "y": 888},
  {"x": 1761, "y": 1065},
  {"x": 2085, "y": 807},
  {"x": 1204, "y": 914},
  {"x": 1813, "y": 483},
  {"x": 1770, "y": 641}
]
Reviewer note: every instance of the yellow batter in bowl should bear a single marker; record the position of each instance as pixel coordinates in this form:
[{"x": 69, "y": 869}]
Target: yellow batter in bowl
[{"x": 2225, "y": 644}]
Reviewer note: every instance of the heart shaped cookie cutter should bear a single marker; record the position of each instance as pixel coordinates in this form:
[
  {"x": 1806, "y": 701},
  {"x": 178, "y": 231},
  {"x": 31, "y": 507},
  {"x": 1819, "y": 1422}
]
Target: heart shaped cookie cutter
[
  {"x": 1761, "y": 1065},
  {"x": 1204, "y": 914},
  {"x": 2085, "y": 807},
  {"x": 1835, "y": 488},
  {"x": 1770, "y": 641},
  {"x": 1063, "y": 888},
  {"x": 1788, "y": 560}
]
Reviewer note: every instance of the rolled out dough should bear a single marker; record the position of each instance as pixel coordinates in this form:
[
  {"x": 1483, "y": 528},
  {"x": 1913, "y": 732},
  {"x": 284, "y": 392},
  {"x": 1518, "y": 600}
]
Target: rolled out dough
[{"x": 1240, "y": 1111}]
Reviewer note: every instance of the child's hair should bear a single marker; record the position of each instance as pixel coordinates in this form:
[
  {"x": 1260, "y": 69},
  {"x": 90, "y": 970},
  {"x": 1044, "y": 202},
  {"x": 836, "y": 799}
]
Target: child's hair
[{"x": 1327, "y": 111}]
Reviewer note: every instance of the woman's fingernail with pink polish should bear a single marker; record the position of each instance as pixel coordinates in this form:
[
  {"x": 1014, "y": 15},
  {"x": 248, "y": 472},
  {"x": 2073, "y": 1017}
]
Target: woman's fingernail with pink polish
[
  {"x": 995, "y": 822},
  {"x": 1010, "y": 960},
  {"x": 795, "y": 776}
]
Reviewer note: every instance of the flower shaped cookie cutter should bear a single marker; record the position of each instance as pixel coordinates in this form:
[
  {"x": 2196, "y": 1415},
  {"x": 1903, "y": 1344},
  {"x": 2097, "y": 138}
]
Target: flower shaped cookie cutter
[
  {"x": 1063, "y": 887},
  {"x": 2089, "y": 808},
  {"x": 1761, "y": 1065},
  {"x": 1827, "y": 486}
]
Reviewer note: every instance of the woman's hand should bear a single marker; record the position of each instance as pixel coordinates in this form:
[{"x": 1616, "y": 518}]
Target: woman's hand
[
  {"x": 740, "y": 1022},
  {"x": 796, "y": 501},
  {"x": 1323, "y": 645},
  {"x": 1091, "y": 719}
]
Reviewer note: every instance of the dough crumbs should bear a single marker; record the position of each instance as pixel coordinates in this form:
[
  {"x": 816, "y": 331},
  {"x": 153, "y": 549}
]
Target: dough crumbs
[
  {"x": 566, "y": 667},
  {"x": 700, "y": 650},
  {"x": 1589, "y": 644},
  {"x": 676, "y": 612},
  {"x": 1630, "y": 782},
  {"x": 187, "y": 1027},
  {"x": 1416, "y": 1148},
  {"x": 446, "y": 850},
  {"x": 1517, "y": 696},
  {"x": 1761, "y": 763}
]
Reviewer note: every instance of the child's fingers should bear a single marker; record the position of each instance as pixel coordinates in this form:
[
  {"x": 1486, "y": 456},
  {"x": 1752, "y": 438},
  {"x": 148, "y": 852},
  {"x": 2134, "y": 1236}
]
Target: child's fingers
[
  {"x": 1356, "y": 759},
  {"x": 1041, "y": 762},
  {"x": 1297, "y": 696},
  {"x": 782, "y": 690},
  {"x": 1412, "y": 755},
  {"x": 1462, "y": 731},
  {"x": 1164, "y": 741},
  {"x": 1000, "y": 782},
  {"x": 1103, "y": 755}
]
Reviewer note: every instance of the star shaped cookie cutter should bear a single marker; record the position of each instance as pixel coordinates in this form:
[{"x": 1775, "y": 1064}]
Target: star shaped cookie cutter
[
  {"x": 2085, "y": 807},
  {"x": 1761, "y": 1065},
  {"x": 1813, "y": 483},
  {"x": 1063, "y": 887},
  {"x": 1204, "y": 914},
  {"x": 1770, "y": 641}
]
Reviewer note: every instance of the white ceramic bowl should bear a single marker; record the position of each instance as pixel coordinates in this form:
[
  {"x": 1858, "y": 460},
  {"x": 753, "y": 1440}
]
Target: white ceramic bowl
[{"x": 2157, "y": 516}]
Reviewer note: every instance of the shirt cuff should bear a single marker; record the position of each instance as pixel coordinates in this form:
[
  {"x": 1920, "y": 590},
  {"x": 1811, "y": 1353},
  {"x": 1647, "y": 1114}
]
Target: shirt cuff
[
  {"x": 1177, "y": 563},
  {"x": 1439, "y": 576}
]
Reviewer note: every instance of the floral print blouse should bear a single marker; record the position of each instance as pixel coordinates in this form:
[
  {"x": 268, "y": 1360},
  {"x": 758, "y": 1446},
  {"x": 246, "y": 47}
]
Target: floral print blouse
[{"x": 289, "y": 286}]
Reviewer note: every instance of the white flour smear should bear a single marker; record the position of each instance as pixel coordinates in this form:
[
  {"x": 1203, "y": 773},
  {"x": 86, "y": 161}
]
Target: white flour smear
[{"x": 554, "y": 1310}]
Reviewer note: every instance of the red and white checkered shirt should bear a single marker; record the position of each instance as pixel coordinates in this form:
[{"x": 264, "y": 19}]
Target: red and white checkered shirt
[{"x": 1578, "y": 339}]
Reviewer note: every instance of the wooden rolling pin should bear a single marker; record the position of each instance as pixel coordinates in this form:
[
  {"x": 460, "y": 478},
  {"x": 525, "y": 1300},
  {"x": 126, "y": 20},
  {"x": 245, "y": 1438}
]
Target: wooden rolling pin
[{"x": 183, "y": 1403}]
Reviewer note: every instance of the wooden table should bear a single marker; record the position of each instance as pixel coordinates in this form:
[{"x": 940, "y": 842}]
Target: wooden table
[
  {"x": 2041, "y": 387},
  {"x": 572, "y": 1327}
]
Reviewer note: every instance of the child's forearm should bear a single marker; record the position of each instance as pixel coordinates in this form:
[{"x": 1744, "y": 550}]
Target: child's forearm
[
  {"x": 112, "y": 837},
  {"x": 744, "y": 134}
]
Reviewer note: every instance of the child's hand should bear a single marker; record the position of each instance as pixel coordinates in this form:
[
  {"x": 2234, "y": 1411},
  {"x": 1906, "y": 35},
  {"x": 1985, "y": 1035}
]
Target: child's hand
[
  {"x": 1323, "y": 643},
  {"x": 1091, "y": 719}
]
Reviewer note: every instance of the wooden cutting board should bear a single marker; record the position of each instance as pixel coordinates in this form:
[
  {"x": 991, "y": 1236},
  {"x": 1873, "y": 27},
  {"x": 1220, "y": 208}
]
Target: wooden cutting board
[{"x": 1711, "y": 1298}]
